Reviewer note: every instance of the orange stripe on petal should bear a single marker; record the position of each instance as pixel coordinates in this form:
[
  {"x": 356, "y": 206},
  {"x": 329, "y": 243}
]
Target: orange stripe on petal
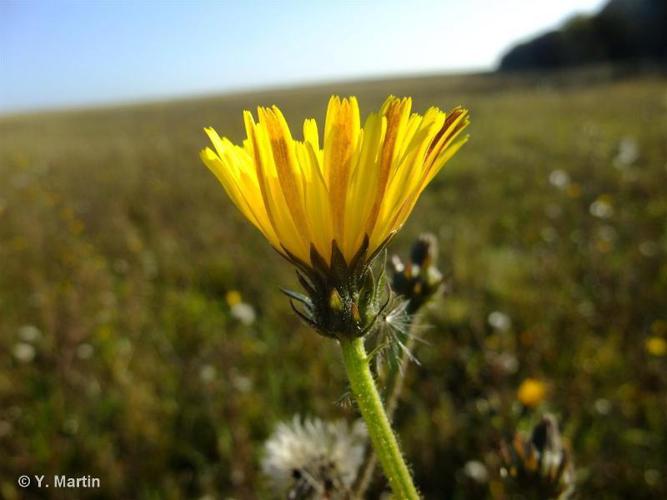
[
  {"x": 394, "y": 111},
  {"x": 286, "y": 165},
  {"x": 340, "y": 144}
]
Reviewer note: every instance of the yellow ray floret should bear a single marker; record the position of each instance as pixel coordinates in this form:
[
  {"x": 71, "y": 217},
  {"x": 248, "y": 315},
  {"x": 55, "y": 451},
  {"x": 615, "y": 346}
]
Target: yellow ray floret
[{"x": 362, "y": 183}]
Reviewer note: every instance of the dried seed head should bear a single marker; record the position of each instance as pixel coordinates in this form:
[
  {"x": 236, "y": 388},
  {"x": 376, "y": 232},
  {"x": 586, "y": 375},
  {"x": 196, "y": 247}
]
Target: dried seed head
[
  {"x": 313, "y": 459},
  {"x": 540, "y": 466}
]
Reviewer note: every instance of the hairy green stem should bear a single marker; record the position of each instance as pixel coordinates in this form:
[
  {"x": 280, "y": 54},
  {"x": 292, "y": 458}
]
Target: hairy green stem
[
  {"x": 379, "y": 429},
  {"x": 394, "y": 388}
]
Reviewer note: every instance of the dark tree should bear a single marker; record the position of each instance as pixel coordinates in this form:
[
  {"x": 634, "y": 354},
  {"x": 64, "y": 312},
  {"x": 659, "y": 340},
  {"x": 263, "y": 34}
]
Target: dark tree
[{"x": 623, "y": 31}]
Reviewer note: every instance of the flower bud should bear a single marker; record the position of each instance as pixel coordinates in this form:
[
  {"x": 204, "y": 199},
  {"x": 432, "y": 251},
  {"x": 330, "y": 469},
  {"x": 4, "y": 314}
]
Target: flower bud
[
  {"x": 538, "y": 467},
  {"x": 419, "y": 279}
]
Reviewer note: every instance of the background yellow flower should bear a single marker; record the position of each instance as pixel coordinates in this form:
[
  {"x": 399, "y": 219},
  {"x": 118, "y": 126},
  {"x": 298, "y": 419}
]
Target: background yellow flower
[
  {"x": 656, "y": 346},
  {"x": 531, "y": 392}
]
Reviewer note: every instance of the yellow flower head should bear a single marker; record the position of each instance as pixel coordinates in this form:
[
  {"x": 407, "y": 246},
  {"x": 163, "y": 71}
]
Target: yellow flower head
[
  {"x": 531, "y": 392},
  {"x": 233, "y": 297},
  {"x": 349, "y": 195},
  {"x": 656, "y": 346}
]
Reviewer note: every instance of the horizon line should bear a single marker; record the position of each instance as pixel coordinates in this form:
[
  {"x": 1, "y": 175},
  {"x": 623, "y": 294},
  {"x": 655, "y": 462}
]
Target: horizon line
[{"x": 234, "y": 91}]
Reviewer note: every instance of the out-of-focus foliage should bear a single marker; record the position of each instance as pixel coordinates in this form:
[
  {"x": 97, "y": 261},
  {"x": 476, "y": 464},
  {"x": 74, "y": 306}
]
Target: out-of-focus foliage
[
  {"x": 126, "y": 357},
  {"x": 629, "y": 31}
]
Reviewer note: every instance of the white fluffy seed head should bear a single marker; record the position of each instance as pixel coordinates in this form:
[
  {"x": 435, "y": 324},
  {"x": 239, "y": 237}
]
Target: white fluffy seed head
[{"x": 311, "y": 458}]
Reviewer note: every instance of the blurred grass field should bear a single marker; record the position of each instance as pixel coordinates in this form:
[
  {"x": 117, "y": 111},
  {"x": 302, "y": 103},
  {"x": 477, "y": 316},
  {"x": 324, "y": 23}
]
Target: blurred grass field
[{"x": 122, "y": 358}]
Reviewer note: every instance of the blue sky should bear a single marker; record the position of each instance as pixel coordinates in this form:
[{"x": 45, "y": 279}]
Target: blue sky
[{"x": 63, "y": 53}]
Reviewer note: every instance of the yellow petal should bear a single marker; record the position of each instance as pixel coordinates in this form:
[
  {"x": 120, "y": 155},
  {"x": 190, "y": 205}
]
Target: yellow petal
[
  {"x": 245, "y": 194},
  {"x": 287, "y": 168},
  {"x": 340, "y": 146},
  {"x": 272, "y": 195},
  {"x": 396, "y": 112},
  {"x": 364, "y": 183}
]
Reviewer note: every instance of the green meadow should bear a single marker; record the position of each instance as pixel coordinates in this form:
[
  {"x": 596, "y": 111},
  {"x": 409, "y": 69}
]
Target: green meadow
[{"x": 123, "y": 358}]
